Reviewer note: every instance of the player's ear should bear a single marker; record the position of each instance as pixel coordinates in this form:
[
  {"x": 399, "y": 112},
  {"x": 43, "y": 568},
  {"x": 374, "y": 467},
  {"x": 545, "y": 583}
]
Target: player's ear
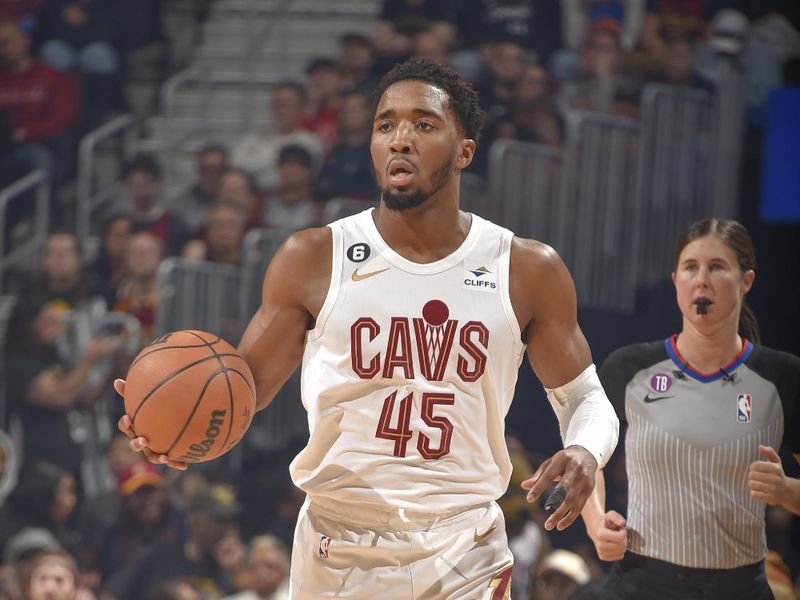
[{"x": 466, "y": 152}]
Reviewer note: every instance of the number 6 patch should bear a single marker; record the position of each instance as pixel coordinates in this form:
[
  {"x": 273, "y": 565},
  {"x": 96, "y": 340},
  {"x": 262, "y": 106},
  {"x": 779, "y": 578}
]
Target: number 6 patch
[{"x": 358, "y": 252}]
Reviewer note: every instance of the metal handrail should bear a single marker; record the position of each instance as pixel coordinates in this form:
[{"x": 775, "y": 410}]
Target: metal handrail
[
  {"x": 169, "y": 89},
  {"x": 86, "y": 168},
  {"x": 37, "y": 180}
]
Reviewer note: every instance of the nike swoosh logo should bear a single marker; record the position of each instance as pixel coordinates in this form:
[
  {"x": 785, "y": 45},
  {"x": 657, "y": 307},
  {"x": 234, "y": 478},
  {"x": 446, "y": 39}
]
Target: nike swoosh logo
[
  {"x": 648, "y": 398},
  {"x": 360, "y": 277},
  {"x": 480, "y": 537}
]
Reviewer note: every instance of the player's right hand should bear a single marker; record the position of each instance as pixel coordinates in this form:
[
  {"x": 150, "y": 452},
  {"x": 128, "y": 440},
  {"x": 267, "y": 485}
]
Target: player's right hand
[
  {"x": 138, "y": 443},
  {"x": 611, "y": 538}
]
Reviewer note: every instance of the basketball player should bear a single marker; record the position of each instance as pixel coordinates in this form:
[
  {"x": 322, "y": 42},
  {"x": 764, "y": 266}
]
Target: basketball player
[
  {"x": 411, "y": 321},
  {"x": 705, "y": 410}
]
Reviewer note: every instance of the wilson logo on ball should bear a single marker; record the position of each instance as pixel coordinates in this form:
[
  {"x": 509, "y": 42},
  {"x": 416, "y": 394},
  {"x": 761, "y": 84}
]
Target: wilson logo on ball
[{"x": 199, "y": 449}]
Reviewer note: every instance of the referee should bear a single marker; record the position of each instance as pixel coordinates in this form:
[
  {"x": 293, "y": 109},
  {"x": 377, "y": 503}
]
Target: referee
[{"x": 705, "y": 410}]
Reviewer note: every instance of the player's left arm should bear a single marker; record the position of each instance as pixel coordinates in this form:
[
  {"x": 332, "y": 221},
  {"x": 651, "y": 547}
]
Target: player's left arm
[
  {"x": 769, "y": 483},
  {"x": 543, "y": 295}
]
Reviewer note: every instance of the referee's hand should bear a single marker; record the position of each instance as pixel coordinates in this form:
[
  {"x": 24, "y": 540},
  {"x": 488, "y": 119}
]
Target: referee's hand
[
  {"x": 611, "y": 538},
  {"x": 574, "y": 468}
]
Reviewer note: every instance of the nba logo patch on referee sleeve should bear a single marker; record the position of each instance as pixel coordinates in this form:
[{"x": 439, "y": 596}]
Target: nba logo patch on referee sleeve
[
  {"x": 324, "y": 543},
  {"x": 744, "y": 408}
]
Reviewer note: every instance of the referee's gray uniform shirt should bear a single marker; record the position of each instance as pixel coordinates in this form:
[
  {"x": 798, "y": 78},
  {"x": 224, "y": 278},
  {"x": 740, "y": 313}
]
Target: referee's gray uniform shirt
[{"x": 690, "y": 440}]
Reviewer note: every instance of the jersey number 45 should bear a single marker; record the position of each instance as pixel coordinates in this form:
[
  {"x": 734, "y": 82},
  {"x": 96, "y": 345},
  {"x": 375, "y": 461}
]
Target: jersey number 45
[{"x": 401, "y": 433}]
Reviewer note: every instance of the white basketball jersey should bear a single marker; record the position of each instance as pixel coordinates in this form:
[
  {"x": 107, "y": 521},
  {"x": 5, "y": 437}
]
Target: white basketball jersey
[{"x": 409, "y": 373}]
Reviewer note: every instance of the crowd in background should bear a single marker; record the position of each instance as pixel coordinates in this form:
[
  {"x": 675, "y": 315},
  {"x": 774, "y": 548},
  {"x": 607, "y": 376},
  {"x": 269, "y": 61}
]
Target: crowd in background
[{"x": 137, "y": 532}]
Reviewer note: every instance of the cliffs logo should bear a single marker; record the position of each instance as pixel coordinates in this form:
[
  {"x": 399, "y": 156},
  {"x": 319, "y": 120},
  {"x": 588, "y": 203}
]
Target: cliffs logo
[{"x": 480, "y": 280}]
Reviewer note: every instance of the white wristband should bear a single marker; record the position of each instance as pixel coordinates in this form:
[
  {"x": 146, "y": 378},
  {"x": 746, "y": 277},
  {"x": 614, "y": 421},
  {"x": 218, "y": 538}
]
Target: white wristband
[{"x": 585, "y": 415}]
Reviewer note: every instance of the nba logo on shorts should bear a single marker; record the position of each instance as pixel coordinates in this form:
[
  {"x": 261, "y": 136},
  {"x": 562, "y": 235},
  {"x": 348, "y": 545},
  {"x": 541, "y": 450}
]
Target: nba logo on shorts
[
  {"x": 744, "y": 408},
  {"x": 324, "y": 542}
]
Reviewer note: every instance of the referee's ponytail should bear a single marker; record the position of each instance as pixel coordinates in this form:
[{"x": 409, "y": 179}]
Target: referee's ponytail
[
  {"x": 734, "y": 235},
  {"x": 748, "y": 326}
]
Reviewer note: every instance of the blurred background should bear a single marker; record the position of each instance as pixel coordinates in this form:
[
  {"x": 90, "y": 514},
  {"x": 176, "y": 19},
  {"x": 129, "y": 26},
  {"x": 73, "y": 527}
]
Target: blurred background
[{"x": 154, "y": 154}]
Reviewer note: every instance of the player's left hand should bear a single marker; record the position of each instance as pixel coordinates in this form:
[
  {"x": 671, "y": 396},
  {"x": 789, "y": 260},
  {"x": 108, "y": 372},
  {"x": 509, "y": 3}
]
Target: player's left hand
[
  {"x": 138, "y": 443},
  {"x": 574, "y": 467},
  {"x": 768, "y": 483}
]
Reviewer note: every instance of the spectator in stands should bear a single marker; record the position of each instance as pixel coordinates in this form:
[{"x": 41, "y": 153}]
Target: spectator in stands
[
  {"x": 679, "y": 62},
  {"x": 503, "y": 70},
  {"x": 426, "y": 44},
  {"x": 44, "y": 392},
  {"x": 668, "y": 19},
  {"x": 292, "y": 205},
  {"x": 9, "y": 466},
  {"x": 357, "y": 59},
  {"x": 559, "y": 574},
  {"x": 324, "y": 99},
  {"x": 240, "y": 188},
  {"x": 45, "y": 498},
  {"x": 533, "y": 111},
  {"x": 19, "y": 554},
  {"x": 144, "y": 520},
  {"x": 195, "y": 203},
  {"x": 138, "y": 293},
  {"x": 99, "y": 512},
  {"x": 258, "y": 152},
  {"x": 84, "y": 36},
  {"x": 267, "y": 574},
  {"x": 532, "y": 117},
  {"x": 533, "y": 85},
  {"x": 62, "y": 276},
  {"x": 222, "y": 240},
  {"x": 600, "y": 75},
  {"x": 174, "y": 589},
  {"x": 400, "y": 20},
  {"x": 732, "y": 40},
  {"x": 38, "y": 106},
  {"x": 148, "y": 213},
  {"x": 54, "y": 576},
  {"x": 580, "y": 19},
  {"x": 535, "y": 25},
  {"x": 212, "y": 557},
  {"x": 347, "y": 172},
  {"x": 109, "y": 268},
  {"x": 578, "y": 15}
]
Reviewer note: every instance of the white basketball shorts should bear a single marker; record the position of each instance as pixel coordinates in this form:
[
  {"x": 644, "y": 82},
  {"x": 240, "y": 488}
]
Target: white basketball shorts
[{"x": 381, "y": 553}]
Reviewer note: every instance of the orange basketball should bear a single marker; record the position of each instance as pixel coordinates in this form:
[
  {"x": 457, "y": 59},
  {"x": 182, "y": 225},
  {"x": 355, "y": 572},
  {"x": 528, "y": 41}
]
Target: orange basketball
[{"x": 191, "y": 394}]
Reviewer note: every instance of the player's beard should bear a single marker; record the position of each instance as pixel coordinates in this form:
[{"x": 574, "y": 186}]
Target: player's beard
[{"x": 400, "y": 201}]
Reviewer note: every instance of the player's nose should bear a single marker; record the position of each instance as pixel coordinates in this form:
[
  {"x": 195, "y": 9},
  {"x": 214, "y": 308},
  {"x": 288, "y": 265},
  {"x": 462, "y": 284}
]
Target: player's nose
[{"x": 401, "y": 138}]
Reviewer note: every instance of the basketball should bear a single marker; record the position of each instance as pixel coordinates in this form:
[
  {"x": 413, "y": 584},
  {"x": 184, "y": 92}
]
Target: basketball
[{"x": 191, "y": 394}]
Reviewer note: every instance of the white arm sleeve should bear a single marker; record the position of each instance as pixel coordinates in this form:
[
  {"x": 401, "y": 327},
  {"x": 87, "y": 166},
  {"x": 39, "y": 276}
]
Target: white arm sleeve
[{"x": 585, "y": 415}]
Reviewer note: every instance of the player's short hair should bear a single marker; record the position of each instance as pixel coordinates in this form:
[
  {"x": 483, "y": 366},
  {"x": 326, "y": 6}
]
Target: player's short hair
[{"x": 463, "y": 98}]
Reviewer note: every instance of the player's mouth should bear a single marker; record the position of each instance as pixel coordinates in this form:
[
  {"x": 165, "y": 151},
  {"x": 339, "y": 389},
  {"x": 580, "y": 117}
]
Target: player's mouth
[{"x": 401, "y": 173}]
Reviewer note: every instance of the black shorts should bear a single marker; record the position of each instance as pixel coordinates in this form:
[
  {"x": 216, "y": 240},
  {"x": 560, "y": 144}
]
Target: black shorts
[{"x": 638, "y": 577}]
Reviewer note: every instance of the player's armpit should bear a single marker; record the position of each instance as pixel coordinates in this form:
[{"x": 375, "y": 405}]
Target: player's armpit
[{"x": 294, "y": 290}]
